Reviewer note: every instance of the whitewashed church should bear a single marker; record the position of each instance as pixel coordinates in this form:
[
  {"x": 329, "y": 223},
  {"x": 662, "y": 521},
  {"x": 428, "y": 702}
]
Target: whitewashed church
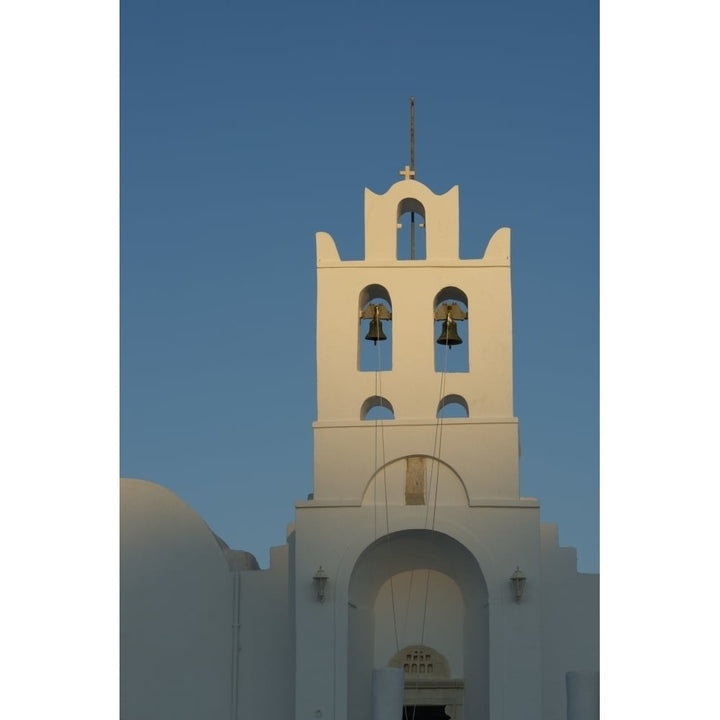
[{"x": 415, "y": 583}]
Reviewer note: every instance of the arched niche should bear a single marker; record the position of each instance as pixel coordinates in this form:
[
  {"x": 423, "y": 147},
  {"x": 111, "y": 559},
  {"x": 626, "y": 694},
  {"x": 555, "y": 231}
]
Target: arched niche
[
  {"x": 377, "y": 407},
  {"x": 457, "y": 622},
  {"x": 415, "y": 480},
  {"x": 411, "y": 230},
  {"x": 452, "y": 358},
  {"x": 374, "y": 356},
  {"x": 453, "y": 406}
]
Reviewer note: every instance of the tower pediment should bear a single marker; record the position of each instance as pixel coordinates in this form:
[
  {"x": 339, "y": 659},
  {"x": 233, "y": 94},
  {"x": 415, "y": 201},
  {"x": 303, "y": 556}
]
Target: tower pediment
[{"x": 440, "y": 214}]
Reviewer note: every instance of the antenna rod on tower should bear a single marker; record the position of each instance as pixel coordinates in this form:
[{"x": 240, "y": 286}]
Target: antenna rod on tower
[
  {"x": 412, "y": 167},
  {"x": 412, "y": 133}
]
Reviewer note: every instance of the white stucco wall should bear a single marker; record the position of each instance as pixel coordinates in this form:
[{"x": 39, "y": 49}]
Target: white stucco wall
[
  {"x": 335, "y": 640},
  {"x": 265, "y": 657},
  {"x": 570, "y": 621},
  {"x": 484, "y": 453}
]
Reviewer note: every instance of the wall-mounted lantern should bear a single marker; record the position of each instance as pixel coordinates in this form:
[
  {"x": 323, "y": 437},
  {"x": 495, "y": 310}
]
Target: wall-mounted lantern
[
  {"x": 320, "y": 581},
  {"x": 518, "y": 583}
]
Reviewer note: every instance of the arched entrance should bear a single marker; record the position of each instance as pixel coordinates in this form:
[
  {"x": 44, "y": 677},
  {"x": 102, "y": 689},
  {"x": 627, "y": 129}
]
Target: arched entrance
[{"x": 420, "y": 591}]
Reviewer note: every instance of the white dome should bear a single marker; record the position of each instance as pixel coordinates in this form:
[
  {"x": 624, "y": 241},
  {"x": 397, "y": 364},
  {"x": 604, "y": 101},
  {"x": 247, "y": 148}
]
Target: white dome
[{"x": 175, "y": 609}]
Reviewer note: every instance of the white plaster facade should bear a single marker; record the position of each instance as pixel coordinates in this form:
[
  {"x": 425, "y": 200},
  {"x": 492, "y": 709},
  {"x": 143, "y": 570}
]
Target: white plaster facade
[{"x": 416, "y": 520}]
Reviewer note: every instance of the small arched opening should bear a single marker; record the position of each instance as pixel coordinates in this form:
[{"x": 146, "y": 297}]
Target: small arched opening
[
  {"x": 453, "y": 406},
  {"x": 377, "y": 407},
  {"x": 411, "y": 230}
]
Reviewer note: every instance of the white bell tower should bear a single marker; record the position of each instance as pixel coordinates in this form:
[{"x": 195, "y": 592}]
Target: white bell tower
[
  {"x": 415, "y": 525},
  {"x": 482, "y": 447}
]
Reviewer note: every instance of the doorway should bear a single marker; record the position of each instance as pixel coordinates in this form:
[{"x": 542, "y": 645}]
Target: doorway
[{"x": 425, "y": 712}]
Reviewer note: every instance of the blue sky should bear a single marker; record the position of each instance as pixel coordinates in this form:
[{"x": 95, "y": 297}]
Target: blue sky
[{"x": 245, "y": 128}]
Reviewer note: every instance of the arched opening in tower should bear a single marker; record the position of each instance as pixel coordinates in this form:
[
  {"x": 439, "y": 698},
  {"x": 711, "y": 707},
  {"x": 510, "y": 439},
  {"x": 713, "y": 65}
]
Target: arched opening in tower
[
  {"x": 374, "y": 329},
  {"x": 411, "y": 230},
  {"x": 377, "y": 408},
  {"x": 453, "y": 406},
  {"x": 451, "y": 330}
]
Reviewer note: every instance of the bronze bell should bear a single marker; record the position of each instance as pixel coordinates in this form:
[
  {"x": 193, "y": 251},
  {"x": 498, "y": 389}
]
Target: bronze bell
[
  {"x": 375, "y": 332},
  {"x": 448, "y": 334}
]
